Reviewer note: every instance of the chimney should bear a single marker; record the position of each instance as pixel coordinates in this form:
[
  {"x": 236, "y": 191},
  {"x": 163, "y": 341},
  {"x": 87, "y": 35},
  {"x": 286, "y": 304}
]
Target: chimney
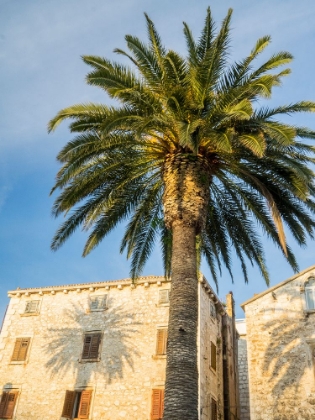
[{"x": 230, "y": 305}]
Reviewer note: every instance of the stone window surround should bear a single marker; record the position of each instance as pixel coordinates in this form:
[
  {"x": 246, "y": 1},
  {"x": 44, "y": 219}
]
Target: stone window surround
[
  {"x": 164, "y": 303},
  {"x": 39, "y": 305},
  {"x": 213, "y": 345},
  {"x": 91, "y": 297},
  {"x": 98, "y": 359},
  {"x": 159, "y": 356},
  {"x": 303, "y": 285},
  {"x": 80, "y": 388},
  {"x": 13, "y": 387},
  {"x": 22, "y": 362}
]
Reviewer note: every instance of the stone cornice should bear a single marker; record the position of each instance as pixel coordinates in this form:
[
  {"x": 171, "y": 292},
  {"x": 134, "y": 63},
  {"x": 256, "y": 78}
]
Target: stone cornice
[
  {"x": 107, "y": 285},
  {"x": 145, "y": 281}
]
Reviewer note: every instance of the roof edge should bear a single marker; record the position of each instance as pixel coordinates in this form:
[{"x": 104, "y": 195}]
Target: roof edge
[
  {"x": 271, "y": 289},
  {"x": 97, "y": 284}
]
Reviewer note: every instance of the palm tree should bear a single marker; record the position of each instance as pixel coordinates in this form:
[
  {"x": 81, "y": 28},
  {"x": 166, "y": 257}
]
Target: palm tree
[{"x": 186, "y": 155}]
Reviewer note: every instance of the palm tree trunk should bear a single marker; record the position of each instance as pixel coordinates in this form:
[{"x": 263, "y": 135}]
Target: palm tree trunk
[{"x": 181, "y": 387}]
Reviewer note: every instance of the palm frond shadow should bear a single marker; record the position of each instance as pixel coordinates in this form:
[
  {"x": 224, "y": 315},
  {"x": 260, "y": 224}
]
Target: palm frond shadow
[
  {"x": 287, "y": 358},
  {"x": 118, "y": 349}
]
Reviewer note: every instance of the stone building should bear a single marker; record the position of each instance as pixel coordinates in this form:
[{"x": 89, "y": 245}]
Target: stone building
[
  {"x": 97, "y": 351},
  {"x": 280, "y": 335}
]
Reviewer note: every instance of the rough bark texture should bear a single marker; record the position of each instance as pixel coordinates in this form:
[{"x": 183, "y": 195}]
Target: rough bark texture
[
  {"x": 186, "y": 192},
  {"x": 185, "y": 200},
  {"x": 181, "y": 387}
]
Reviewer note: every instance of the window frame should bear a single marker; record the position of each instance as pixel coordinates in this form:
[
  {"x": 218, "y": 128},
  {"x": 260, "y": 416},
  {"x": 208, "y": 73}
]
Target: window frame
[
  {"x": 213, "y": 356},
  {"x": 307, "y": 288},
  {"x": 160, "y": 408},
  {"x": 164, "y": 302},
  {"x": 27, "y": 351},
  {"x": 91, "y": 359},
  {"x": 4, "y": 410},
  {"x": 32, "y": 313},
  {"x": 161, "y": 331},
  {"x": 212, "y": 309},
  {"x": 96, "y": 297},
  {"x": 72, "y": 404},
  {"x": 213, "y": 408}
]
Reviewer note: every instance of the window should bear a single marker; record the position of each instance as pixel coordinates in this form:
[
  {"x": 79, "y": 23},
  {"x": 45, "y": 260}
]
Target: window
[
  {"x": 20, "y": 349},
  {"x": 164, "y": 296},
  {"x": 157, "y": 406},
  {"x": 213, "y": 361},
  {"x": 7, "y": 404},
  {"x": 213, "y": 313},
  {"x": 31, "y": 307},
  {"x": 214, "y": 409},
  {"x": 91, "y": 346},
  {"x": 98, "y": 303},
  {"x": 77, "y": 404},
  {"x": 310, "y": 294},
  {"x": 161, "y": 340}
]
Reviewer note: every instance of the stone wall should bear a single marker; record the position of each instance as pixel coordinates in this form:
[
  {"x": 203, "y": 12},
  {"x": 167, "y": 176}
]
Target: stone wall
[
  {"x": 211, "y": 380},
  {"x": 281, "y": 343},
  {"x": 243, "y": 384},
  {"x": 122, "y": 381},
  {"x": 128, "y": 370}
]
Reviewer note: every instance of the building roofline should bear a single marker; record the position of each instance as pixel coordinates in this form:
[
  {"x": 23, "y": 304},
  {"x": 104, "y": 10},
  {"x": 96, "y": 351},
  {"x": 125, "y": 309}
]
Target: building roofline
[
  {"x": 97, "y": 284},
  {"x": 145, "y": 280},
  {"x": 271, "y": 289}
]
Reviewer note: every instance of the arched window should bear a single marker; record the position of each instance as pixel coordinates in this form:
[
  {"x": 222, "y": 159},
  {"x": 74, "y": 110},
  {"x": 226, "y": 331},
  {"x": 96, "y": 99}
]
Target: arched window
[{"x": 310, "y": 293}]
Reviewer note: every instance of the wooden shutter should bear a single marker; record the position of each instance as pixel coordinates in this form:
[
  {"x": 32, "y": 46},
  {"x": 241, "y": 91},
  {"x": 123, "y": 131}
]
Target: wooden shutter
[
  {"x": 31, "y": 306},
  {"x": 7, "y": 404},
  {"x": 161, "y": 341},
  {"x": 20, "y": 349},
  {"x": 91, "y": 346},
  {"x": 164, "y": 296},
  {"x": 157, "y": 404},
  {"x": 3, "y": 403},
  {"x": 86, "y": 346},
  {"x": 98, "y": 303},
  {"x": 213, "y": 356},
  {"x": 68, "y": 404},
  {"x": 85, "y": 403},
  {"x": 11, "y": 401},
  {"x": 214, "y": 410}
]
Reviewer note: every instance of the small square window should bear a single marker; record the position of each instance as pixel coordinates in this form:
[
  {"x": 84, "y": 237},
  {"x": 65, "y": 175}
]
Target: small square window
[
  {"x": 213, "y": 312},
  {"x": 31, "y": 307},
  {"x": 164, "y": 296},
  {"x": 98, "y": 303}
]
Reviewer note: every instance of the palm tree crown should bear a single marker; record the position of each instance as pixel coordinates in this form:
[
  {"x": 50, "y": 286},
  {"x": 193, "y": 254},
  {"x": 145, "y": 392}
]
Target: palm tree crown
[{"x": 182, "y": 119}]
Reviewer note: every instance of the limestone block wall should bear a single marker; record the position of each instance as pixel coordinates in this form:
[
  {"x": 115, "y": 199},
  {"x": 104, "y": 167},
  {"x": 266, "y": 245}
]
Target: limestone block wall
[
  {"x": 211, "y": 380},
  {"x": 128, "y": 370},
  {"x": 281, "y": 342},
  {"x": 243, "y": 384}
]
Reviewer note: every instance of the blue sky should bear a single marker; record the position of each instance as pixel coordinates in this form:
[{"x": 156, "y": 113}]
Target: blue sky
[{"x": 41, "y": 42}]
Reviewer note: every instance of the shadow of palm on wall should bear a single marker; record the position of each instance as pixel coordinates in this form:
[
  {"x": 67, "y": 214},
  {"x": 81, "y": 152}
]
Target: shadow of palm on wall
[
  {"x": 288, "y": 357},
  {"x": 118, "y": 349}
]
